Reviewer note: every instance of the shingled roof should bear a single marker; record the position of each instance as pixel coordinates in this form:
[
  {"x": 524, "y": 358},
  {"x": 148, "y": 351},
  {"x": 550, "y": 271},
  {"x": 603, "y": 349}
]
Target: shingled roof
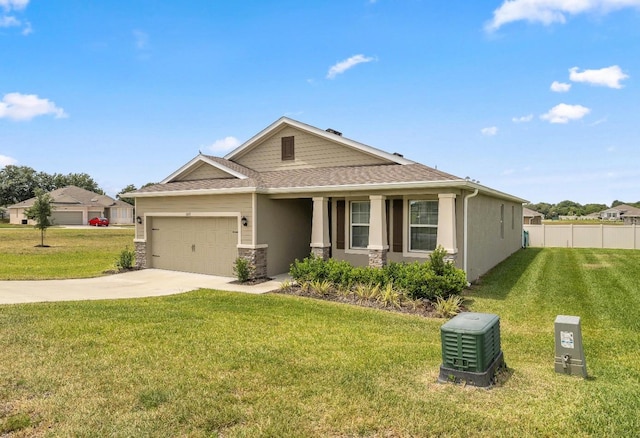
[
  {"x": 313, "y": 177},
  {"x": 76, "y": 196}
]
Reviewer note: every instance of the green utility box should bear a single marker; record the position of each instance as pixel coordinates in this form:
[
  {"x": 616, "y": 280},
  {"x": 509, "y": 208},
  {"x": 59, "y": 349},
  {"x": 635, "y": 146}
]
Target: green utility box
[{"x": 471, "y": 348}]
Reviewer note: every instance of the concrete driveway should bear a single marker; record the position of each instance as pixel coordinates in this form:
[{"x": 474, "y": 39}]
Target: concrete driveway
[{"x": 134, "y": 284}]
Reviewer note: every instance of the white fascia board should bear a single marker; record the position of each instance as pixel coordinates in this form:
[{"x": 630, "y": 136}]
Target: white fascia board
[
  {"x": 203, "y": 159},
  {"x": 248, "y": 145},
  {"x": 194, "y": 192}
]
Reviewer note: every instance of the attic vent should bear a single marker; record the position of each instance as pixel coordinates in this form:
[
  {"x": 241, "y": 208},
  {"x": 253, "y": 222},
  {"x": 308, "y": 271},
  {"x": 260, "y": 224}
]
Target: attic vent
[
  {"x": 94, "y": 199},
  {"x": 333, "y": 131},
  {"x": 398, "y": 154}
]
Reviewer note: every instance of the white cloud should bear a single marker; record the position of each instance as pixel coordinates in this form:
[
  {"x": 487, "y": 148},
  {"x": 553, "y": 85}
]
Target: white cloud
[
  {"x": 6, "y": 161},
  {"x": 560, "y": 87},
  {"x": 606, "y": 77},
  {"x": 523, "y": 119},
  {"x": 9, "y": 21},
  {"x": 490, "y": 131},
  {"x": 224, "y": 144},
  {"x": 8, "y": 5},
  {"x": 548, "y": 12},
  {"x": 345, "y": 65},
  {"x": 27, "y": 30},
  {"x": 141, "y": 39},
  {"x": 563, "y": 113},
  {"x": 16, "y": 106}
]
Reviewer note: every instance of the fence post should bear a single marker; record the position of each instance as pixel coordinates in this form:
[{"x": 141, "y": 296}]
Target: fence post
[{"x": 571, "y": 235}]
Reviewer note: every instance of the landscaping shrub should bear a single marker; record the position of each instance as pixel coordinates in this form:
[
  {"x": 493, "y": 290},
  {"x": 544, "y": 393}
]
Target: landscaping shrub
[
  {"x": 434, "y": 278},
  {"x": 242, "y": 269},
  {"x": 126, "y": 259},
  {"x": 449, "y": 307}
]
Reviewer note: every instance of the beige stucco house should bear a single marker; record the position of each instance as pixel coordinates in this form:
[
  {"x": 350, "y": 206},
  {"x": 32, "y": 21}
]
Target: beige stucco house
[
  {"x": 531, "y": 217},
  {"x": 294, "y": 189},
  {"x": 75, "y": 206},
  {"x": 628, "y": 214}
]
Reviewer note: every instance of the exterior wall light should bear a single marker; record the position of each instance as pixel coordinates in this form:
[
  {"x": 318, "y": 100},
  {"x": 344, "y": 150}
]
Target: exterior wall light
[
  {"x": 244, "y": 221},
  {"x": 139, "y": 219}
]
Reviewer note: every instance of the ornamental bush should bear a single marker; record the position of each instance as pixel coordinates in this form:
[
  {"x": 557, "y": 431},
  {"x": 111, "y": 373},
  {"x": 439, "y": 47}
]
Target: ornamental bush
[{"x": 434, "y": 278}]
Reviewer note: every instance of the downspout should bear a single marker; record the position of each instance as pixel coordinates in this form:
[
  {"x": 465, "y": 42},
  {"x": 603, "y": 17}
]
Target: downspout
[{"x": 466, "y": 225}]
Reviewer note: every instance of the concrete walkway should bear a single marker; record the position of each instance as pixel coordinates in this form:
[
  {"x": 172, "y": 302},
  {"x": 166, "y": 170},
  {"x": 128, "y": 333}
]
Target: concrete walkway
[{"x": 134, "y": 284}]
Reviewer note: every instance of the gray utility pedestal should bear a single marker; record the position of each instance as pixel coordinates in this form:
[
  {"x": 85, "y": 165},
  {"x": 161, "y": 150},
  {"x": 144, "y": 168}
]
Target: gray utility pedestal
[{"x": 569, "y": 352}]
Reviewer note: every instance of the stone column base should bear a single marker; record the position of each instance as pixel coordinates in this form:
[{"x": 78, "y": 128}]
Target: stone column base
[
  {"x": 377, "y": 258},
  {"x": 321, "y": 252},
  {"x": 141, "y": 254},
  {"x": 257, "y": 258}
]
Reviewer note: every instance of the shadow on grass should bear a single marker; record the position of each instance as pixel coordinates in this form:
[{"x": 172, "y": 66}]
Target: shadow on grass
[{"x": 498, "y": 282}]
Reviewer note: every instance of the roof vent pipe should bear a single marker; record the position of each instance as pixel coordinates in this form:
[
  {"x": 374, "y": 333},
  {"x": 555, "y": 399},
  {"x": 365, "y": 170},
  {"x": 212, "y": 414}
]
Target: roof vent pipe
[{"x": 466, "y": 231}]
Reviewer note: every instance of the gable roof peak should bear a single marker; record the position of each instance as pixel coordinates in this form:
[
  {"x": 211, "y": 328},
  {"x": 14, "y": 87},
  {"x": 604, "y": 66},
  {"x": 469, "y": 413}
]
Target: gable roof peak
[
  {"x": 329, "y": 134},
  {"x": 216, "y": 162}
]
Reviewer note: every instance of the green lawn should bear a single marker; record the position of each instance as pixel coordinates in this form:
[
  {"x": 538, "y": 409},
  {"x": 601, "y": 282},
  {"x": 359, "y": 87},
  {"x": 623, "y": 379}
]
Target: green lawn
[
  {"x": 72, "y": 253},
  {"x": 211, "y": 363}
]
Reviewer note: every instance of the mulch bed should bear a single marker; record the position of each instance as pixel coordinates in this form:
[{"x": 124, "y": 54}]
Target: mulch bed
[{"x": 423, "y": 308}]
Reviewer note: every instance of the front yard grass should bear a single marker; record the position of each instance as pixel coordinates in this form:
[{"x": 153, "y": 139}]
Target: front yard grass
[
  {"x": 72, "y": 252},
  {"x": 211, "y": 363}
]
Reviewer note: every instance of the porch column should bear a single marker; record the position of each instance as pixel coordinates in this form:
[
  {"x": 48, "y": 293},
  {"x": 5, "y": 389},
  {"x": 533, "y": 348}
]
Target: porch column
[
  {"x": 447, "y": 222},
  {"x": 320, "y": 243},
  {"x": 378, "y": 246}
]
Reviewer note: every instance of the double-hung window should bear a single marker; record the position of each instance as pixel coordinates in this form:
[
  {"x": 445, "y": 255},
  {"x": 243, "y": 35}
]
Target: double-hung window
[
  {"x": 360, "y": 215},
  {"x": 423, "y": 225}
]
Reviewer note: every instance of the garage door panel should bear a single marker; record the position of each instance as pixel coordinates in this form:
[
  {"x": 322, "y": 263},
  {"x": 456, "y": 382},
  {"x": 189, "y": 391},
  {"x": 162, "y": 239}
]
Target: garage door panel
[
  {"x": 67, "y": 217},
  {"x": 202, "y": 245}
]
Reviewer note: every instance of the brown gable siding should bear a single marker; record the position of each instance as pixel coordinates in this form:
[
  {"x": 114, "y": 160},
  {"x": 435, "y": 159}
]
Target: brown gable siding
[{"x": 310, "y": 152}]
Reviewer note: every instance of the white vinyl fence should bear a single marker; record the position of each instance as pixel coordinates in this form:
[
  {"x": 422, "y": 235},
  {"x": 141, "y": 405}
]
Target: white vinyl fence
[{"x": 584, "y": 236}]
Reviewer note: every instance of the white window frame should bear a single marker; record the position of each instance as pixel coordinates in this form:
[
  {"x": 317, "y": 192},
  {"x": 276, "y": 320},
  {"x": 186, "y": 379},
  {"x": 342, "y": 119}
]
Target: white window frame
[
  {"x": 358, "y": 224},
  {"x": 410, "y": 226}
]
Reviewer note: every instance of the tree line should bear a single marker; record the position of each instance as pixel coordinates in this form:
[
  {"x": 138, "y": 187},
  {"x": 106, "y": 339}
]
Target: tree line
[
  {"x": 570, "y": 208},
  {"x": 19, "y": 183}
]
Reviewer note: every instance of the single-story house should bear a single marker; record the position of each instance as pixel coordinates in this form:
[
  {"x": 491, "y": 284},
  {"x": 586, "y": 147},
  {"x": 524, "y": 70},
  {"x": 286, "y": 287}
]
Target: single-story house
[
  {"x": 293, "y": 189},
  {"x": 531, "y": 217},
  {"x": 623, "y": 212},
  {"x": 75, "y": 206}
]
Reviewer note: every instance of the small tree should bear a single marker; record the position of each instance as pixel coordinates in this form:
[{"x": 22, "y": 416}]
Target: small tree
[{"x": 40, "y": 212}]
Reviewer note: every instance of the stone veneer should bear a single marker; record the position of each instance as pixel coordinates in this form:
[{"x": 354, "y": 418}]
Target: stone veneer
[
  {"x": 321, "y": 252},
  {"x": 377, "y": 258},
  {"x": 257, "y": 259},
  {"x": 141, "y": 254}
]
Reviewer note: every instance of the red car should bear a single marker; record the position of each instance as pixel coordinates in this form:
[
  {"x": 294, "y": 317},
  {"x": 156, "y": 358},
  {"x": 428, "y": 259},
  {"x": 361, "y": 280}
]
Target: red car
[{"x": 99, "y": 222}]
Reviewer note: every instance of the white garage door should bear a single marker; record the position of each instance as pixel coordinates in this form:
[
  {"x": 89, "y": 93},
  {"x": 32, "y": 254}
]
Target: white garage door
[
  {"x": 67, "y": 217},
  {"x": 202, "y": 245}
]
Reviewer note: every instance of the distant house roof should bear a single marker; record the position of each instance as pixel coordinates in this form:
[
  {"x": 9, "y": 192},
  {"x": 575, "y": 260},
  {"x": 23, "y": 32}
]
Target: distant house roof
[
  {"x": 76, "y": 196},
  {"x": 527, "y": 212},
  {"x": 625, "y": 210}
]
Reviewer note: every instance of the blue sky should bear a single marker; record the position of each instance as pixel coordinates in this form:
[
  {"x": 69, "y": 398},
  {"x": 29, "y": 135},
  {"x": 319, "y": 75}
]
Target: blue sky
[{"x": 539, "y": 99}]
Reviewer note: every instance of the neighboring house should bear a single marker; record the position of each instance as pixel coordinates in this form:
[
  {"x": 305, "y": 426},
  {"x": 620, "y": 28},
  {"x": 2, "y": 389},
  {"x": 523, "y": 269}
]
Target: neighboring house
[
  {"x": 623, "y": 212},
  {"x": 531, "y": 217},
  {"x": 294, "y": 189},
  {"x": 75, "y": 206}
]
